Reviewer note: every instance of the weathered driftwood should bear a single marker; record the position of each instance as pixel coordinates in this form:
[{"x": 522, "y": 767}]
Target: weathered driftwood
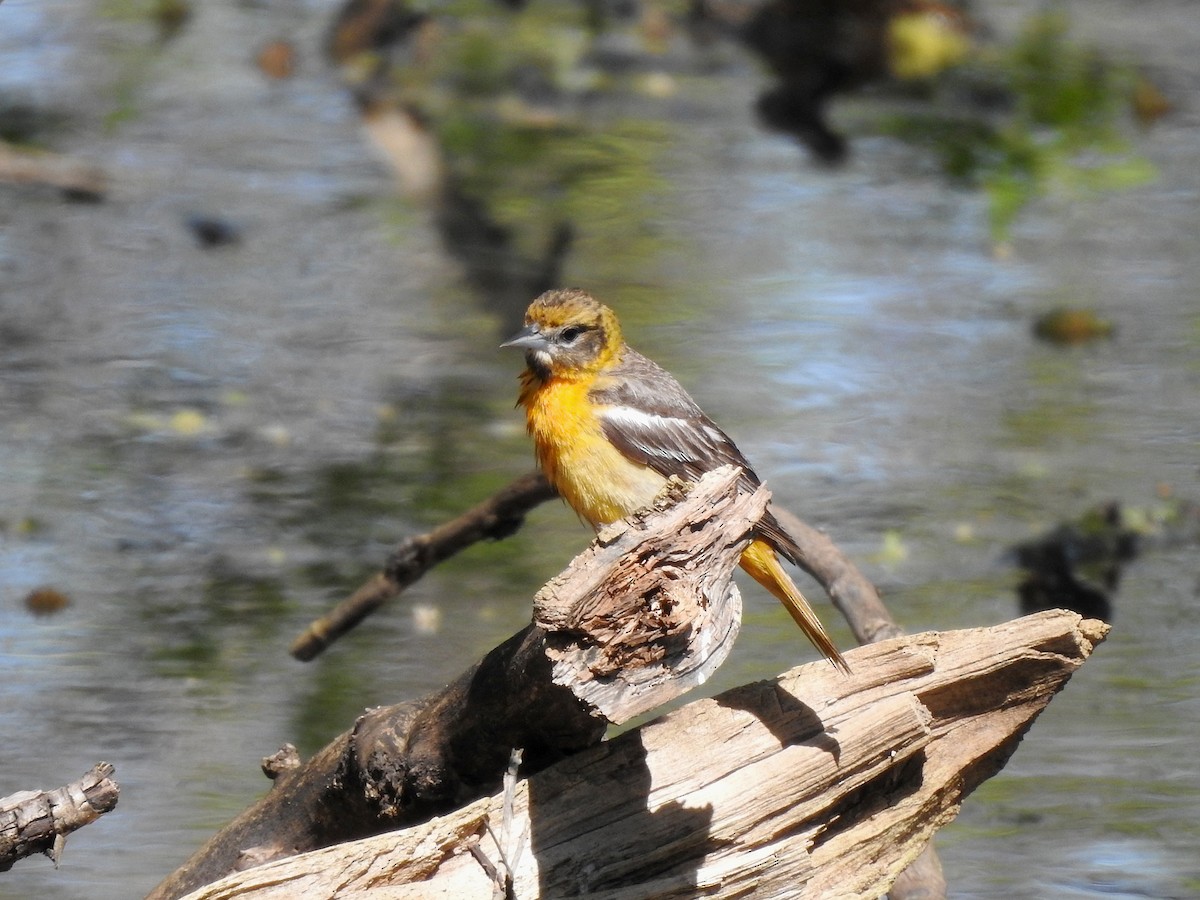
[
  {"x": 39, "y": 821},
  {"x": 626, "y": 641},
  {"x": 859, "y": 602},
  {"x": 405, "y": 763},
  {"x": 22, "y": 166},
  {"x": 496, "y": 517},
  {"x": 810, "y": 785}
]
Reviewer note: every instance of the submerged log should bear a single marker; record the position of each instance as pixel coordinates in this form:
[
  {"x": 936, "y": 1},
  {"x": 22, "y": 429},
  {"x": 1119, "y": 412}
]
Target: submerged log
[{"x": 808, "y": 785}]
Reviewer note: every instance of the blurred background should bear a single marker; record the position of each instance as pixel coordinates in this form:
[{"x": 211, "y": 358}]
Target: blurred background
[{"x": 936, "y": 270}]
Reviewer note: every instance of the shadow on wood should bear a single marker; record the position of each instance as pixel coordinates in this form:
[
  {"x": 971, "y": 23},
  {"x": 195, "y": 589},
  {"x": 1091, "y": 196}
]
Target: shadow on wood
[
  {"x": 550, "y": 691},
  {"x": 811, "y": 781},
  {"x": 809, "y": 785}
]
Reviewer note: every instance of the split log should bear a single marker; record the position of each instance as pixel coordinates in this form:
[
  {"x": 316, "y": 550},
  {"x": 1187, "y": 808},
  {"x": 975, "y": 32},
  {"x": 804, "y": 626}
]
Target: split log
[
  {"x": 880, "y": 759},
  {"x": 320, "y": 787},
  {"x": 402, "y": 764},
  {"x": 39, "y": 821},
  {"x": 809, "y": 785},
  {"x": 858, "y": 600}
]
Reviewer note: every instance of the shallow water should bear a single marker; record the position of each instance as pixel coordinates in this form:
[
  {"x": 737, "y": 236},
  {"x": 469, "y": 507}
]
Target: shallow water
[{"x": 203, "y": 449}]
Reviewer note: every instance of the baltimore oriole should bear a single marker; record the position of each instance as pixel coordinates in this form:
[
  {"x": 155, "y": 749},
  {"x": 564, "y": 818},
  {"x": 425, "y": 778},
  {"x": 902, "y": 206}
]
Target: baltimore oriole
[{"x": 609, "y": 427}]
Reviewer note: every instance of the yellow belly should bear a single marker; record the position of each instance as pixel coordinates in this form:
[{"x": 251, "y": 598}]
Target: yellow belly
[{"x": 592, "y": 475}]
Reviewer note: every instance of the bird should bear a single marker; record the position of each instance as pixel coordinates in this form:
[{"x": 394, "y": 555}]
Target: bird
[{"x": 610, "y": 426}]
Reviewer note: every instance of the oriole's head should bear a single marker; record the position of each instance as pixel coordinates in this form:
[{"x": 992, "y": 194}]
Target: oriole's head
[{"x": 567, "y": 332}]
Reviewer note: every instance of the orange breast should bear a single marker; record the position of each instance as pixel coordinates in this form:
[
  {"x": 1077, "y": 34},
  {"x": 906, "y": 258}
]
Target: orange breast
[{"x": 595, "y": 479}]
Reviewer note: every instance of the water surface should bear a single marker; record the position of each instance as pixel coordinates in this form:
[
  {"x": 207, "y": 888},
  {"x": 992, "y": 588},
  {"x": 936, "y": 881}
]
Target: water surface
[{"x": 203, "y": 449}]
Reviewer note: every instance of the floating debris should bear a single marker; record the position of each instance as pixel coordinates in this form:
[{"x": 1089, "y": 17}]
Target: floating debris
[
  {"x": 171, "y": 16},
  {"x": 277, "y": 60},
  {"x": 46, "y": 601},
  {"x": 188, "y": 422},
  {"x": 1069, "y": 327},
  {"x": 1148, "y": 102}
]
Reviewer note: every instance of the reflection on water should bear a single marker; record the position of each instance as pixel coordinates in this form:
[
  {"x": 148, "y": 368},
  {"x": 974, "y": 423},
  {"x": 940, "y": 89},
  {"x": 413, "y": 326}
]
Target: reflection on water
[{"x": 204, "y": 449}]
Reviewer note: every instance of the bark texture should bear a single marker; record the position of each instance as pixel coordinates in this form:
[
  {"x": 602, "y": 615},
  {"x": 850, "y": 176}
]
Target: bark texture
[
  {"x": 544, "y": 691},
  {"x": 809, "y": 785},
  {"x": 39, "y": 821}
]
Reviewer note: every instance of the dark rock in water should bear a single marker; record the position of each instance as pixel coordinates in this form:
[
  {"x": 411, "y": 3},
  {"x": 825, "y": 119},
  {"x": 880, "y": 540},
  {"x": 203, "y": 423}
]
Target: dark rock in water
[
  {"x": 213, "y": 231},
  {"x": 1078, "y": 564}
]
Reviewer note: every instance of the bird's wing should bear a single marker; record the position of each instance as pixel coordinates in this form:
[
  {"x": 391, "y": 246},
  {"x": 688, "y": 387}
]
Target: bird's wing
[
  {"x": 669, "y": 444},
  {"x": 648, "y": 416}
]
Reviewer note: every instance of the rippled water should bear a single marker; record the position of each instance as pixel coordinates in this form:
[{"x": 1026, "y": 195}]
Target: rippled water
[{"x": 203, "y": 449}]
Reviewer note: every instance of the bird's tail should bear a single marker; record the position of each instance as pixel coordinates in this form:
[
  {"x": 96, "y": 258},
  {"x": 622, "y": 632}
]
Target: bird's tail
[{"x": 762, "y": 563}]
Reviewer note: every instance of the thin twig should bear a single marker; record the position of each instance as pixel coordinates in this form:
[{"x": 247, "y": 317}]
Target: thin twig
[
  {"x": 851, "y": 592},
  {"x": 504, "y": 512},
  {"x": 493, "y": 519}
]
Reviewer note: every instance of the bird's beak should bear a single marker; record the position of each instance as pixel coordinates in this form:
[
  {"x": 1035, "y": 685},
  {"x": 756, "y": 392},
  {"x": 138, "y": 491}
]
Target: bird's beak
[{"x": 528, "y": 338}]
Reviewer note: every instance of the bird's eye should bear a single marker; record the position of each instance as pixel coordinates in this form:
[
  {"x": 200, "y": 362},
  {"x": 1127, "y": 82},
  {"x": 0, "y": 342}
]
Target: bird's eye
[{"x": 571, "y": 333}]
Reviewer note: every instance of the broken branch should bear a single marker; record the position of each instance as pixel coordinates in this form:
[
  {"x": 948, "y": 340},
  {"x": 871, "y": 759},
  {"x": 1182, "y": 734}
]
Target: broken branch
[{"x": 38, "y": 821}]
